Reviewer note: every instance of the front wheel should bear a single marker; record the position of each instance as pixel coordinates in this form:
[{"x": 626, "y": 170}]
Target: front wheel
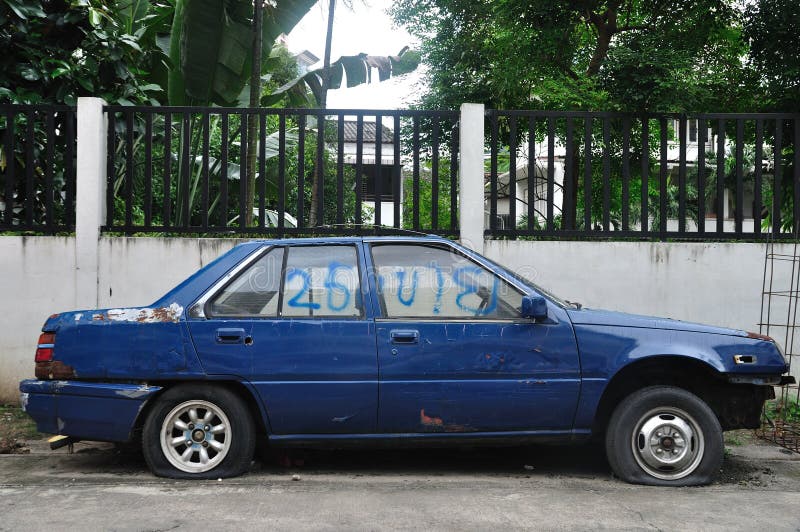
[
  {"x": 664, "y": 436},
  {"x": 198, "y": 432}
]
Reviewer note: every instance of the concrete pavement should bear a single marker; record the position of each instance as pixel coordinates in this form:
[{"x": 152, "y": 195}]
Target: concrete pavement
[{"x": 100, "y": 488}]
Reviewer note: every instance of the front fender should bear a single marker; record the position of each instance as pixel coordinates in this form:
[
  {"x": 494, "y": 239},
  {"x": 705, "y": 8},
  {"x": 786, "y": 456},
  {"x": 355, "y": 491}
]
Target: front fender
[{"x": 605, "y": 350}]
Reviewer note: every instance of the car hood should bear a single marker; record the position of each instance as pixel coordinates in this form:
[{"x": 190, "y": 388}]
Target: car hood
[{"x": 587, "y": 316}]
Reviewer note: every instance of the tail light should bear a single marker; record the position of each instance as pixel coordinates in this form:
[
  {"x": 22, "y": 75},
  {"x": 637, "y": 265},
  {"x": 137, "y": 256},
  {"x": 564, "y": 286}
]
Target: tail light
[{"x": 44, "y": 349}]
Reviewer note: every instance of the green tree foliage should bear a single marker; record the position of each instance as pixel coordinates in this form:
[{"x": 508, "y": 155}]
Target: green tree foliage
[
  {"x": 773, "y": 29},
  {"x": 54, "y": 52},
  {"x": 655, "y": 55},
  {"x": 425, "y": 191},
  {"x": 659, "y": 56}
]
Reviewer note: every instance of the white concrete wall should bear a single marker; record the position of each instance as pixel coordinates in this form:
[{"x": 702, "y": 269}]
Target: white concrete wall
[
  {"x": 37, "y": 278},
  {"x": 137, "y": 271},
  {"x": 716, "y": 283}
]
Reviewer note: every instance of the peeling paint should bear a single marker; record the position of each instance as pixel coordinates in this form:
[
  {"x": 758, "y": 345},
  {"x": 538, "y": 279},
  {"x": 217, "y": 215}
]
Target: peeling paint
[
  {"x": 37, "y": 384},
  {"x": 78, "y": 316},
  {"x": 141, "y": 391},
  {"x": 171, "y": 313}
]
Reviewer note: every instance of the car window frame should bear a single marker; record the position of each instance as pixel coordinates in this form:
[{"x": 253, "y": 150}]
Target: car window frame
[
  {"x": 216, "y": 291},
  {"x": 359, "y": 292},
  {"x": 380, "y": 303},
  {"x": 245, "y": 265}
]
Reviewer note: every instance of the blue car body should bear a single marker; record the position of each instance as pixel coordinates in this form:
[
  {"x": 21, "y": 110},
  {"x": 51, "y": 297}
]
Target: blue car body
[{"x": 372, "y": 377}]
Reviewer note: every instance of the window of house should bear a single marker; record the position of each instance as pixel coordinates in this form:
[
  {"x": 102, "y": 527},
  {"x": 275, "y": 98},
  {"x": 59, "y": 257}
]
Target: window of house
[
  {"x": 691, "y": 130},
  {"x": 504, "y": 221},
  {"x": 435, "y": 282},
  {"x": 389, "y": 175}
]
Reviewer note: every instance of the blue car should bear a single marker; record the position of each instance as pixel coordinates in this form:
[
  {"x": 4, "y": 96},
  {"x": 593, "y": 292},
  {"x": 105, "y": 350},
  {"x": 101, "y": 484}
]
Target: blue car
[{"x": 408, "y": 340}]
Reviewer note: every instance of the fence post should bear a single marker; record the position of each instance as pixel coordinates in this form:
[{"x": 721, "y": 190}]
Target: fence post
[
  {"x": 470, "y": 175},
  {"x": 90, "y": 191}
]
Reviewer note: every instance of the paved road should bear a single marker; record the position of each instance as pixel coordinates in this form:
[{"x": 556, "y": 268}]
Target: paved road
[{"x": 101, "y": 488}]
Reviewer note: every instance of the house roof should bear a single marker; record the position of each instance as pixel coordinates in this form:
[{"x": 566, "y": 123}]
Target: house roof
[
  {"x": 351, "y": 132},
  {"x": 306, "y": 58}
]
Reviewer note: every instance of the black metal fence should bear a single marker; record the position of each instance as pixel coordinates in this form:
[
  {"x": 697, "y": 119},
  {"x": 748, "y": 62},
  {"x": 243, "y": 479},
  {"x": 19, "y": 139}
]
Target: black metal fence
[
  {"x": 280, "y": 171},
  {"x": 37, "y": 168},
  {"x": 583, "y": 175},
  {"x": 616, "y": 175}
]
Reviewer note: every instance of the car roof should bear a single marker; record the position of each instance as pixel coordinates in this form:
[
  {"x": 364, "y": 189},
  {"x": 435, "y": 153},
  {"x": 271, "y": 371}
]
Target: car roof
[{"x": 350, "y": 239}]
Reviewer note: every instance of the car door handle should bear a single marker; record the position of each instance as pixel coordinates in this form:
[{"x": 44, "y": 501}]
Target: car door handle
[
  {"x": 404, "y": 336},
  {"x": 230, "y": 336}
]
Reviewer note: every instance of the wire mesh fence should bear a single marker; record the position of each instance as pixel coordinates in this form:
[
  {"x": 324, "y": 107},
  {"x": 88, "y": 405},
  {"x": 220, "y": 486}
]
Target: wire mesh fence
[{"x": 780, "y": 299}]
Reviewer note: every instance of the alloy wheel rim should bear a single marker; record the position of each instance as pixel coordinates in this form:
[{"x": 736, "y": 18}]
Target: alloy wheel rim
[{"x": 196, "y": 436}]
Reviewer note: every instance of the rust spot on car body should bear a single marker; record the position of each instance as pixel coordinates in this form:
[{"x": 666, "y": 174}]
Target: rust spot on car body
[
  {"x": 170, "y": 314},
  {"x": 429, "y": 421},
  {"x": 54, "y": 369},
  {"x": 436, "y": 424}
]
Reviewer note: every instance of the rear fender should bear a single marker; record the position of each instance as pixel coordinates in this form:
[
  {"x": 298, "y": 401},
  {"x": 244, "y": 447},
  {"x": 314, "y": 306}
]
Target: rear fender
[{"x": 85, "y": 410}]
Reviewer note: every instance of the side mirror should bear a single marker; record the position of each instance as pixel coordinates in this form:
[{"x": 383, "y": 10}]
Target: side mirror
[{"x": 534, "y": 307}]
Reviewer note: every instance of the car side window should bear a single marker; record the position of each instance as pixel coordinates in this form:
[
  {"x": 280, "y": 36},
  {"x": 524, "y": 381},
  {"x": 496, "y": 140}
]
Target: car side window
[
  {"x": 254, "y": 292},
  {"x": 321, "y": 281},
  {"x": 416, "y": 281}
]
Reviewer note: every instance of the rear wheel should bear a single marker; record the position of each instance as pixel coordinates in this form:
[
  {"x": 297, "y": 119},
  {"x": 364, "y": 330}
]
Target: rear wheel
[
  {"x": 198, "y": 432},
  {"x": 666, "y": 436}
]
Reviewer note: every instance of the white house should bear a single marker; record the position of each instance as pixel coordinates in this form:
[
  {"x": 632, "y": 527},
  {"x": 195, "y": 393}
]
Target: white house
[
  {"x": 387, "y": 172},
  {"x": 673, "y": 164}
]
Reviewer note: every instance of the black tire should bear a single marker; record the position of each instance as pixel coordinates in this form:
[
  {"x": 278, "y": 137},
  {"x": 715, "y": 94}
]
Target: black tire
[
  {"x": 236, "y": 437},
  {"x": 641, "y": 451}
]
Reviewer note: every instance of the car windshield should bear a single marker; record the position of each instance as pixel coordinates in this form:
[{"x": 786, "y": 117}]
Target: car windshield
[{"x": 530, "y": 283}]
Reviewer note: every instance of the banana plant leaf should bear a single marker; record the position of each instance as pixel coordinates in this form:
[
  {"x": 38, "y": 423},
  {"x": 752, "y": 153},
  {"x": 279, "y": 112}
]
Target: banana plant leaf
[
  {"x": 234, "y": 171},
  {"x": 215, "y": 45},
  {"x": 212, "y": 44},
  {"x": 353, "y": 69}
]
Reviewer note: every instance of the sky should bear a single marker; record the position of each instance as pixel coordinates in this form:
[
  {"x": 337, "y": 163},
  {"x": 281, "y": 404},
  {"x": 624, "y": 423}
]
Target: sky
[{"x": 365, "y": 28}]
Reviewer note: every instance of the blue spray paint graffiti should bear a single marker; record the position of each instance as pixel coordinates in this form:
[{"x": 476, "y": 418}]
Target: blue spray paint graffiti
[
  {"x": 306, "y": 288},
  {"x": 400, "y": 281},
  {"x": 338, "y": 296},
  {"x": 437, "y": 304},
  {"x": 471, "y": 286},
  {"x": 332, "y": 286}
]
